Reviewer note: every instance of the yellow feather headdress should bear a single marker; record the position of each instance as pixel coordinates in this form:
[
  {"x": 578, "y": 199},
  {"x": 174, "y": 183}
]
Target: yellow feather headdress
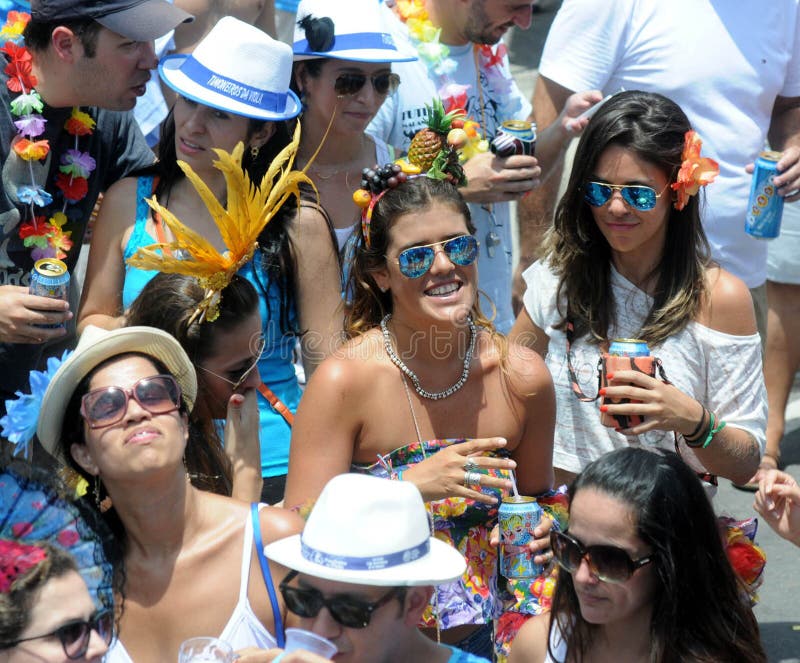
[{"x": 250, "y": 208}]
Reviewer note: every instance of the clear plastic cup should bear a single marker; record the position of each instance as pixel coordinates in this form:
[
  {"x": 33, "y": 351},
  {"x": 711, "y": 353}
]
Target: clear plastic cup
[
  {"x": 205, "y": 650},
  {"x": 298, "y": 638}
]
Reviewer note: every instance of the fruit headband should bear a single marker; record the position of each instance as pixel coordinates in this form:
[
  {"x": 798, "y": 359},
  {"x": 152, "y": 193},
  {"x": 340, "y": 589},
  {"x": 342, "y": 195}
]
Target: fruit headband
[{"x": 436, "y": 151}]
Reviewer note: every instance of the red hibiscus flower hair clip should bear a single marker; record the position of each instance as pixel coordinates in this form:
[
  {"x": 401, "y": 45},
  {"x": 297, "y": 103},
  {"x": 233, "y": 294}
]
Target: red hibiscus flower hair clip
[
  {"x": 696, "y": 171},
  {"x": 16, "y": 559}
]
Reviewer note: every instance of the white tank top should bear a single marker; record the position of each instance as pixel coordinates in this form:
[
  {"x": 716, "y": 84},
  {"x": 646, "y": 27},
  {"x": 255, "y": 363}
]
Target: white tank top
[{"x": 243, "y": 628}]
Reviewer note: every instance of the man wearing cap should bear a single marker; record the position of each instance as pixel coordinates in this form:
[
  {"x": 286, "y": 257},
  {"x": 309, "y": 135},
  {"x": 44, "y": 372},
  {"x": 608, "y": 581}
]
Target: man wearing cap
[
  {"x": 71, "y": 76},
  {"x": 363, "y": 571},
  {"x": 463, "y": 61}
]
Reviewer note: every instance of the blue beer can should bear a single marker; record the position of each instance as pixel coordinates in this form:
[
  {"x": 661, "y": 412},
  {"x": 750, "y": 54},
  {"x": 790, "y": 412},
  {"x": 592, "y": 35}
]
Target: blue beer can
[
  {"x": 628, "y": 347},
  {"x": 765, "y": 207},
  {"x": 517, "y": 517},
  {"x": 50, "y": 278}
]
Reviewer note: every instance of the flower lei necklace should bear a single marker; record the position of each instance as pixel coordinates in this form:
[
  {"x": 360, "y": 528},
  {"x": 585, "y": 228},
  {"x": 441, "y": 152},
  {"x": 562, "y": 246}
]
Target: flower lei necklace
[
  {"x": 436, "y": 56},
  {"x": 47, "y": 238}
]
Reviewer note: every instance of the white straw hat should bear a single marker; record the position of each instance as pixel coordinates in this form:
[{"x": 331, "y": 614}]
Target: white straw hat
[
  {"x": 359, "y": 32},
  {"x": 369, "y": 531},
  {"x": 94, "y": 347},
  {"x": 236, "y": 68}
]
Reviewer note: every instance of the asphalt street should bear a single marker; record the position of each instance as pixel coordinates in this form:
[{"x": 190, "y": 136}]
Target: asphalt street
[{"x": 778, "y": 610}]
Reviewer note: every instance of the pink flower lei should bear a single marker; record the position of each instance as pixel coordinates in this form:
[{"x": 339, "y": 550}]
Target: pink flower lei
[
  {"x": 436, "y": 56},
  {"x": 45, "y": 237}
]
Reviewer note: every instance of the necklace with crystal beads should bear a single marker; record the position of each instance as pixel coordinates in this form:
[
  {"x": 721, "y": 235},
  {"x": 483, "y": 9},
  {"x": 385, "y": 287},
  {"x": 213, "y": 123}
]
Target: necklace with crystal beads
[{"x": 430, "y": 395}]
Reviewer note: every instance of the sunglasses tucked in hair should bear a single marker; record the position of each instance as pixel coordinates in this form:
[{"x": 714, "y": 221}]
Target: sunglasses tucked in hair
[
  {"x": 348, "y": 611},
  {"x": 157, "y": 394},
  {"x": 75, "y": 635},
  {"x": 349, "y": 84},
  {"x": 417, "y": 260},
  {"x": 640, "y": 197},
  {"x": 607, "y": 563}
]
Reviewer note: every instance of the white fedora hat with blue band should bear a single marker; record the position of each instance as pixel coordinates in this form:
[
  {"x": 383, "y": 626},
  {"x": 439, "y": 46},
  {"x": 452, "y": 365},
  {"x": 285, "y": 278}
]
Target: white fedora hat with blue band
[
  {"x": 236, "y": 68},
  {"x": 369, "y": 531},
  {"x": 360, "y": 33}
]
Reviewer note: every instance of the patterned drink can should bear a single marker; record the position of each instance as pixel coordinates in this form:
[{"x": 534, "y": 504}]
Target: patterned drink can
[
  {"x": 50, "y": 278},
  {"x": 515, "y": 137},
  {"x": 624, "y": 354},
  {"x": 765, "y": 208},
  {"x": 518, "y": 515}
]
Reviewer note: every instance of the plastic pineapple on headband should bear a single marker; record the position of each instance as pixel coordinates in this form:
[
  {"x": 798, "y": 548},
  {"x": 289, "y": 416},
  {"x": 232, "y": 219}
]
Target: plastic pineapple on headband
[
  {"x": 436, "y": 151},
  {"x": 250, "y": 207}
]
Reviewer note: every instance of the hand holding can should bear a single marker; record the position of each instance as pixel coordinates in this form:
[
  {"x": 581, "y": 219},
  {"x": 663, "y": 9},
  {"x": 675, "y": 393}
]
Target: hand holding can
[
  {"x": 518, "y": 516},
  {"x": 624, "y": 354},
  {"x": 50, "y": 278},
  {"x": 515, "y": 137}
]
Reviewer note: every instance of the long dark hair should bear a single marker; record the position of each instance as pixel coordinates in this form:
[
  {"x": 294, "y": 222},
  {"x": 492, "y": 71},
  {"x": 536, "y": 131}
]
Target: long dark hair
[
  {"x": 274, "y": 253},
  {"x": 369, "y": 304},
  {"x": 168, "y": 302},
  {"x": 700, "y": 612},
  {"x": 653, "y": 127}
]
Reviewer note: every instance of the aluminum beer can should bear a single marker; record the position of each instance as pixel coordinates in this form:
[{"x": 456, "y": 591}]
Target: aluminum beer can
[
  {"x": 515, "y": 137},
  {"x": 50, "y": 278},
  {"x": 517, "y": 516},
  {"x": 765, "y": 208},
  {"x": 628, "y": 347}
]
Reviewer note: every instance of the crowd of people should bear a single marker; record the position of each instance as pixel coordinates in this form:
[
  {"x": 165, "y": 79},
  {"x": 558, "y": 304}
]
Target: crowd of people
[{"x": 294, "y": 389}]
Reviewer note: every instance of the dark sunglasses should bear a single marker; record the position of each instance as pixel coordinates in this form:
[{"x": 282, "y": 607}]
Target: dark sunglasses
[
  {"x": 349, "y": 84},
  {"x": 607, "y": 563},
  {"x": 348, "y": 611},
  {"x": 158, "y": 394},
  {"x": 243, "y": 374},
  {"x": 75, "y": 635},
  {"x": 417, "y": 260},
  {"x": 642, "y": 198}
]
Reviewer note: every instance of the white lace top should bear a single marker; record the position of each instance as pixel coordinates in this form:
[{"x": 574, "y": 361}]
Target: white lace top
[{"x": 721, "y": 371}]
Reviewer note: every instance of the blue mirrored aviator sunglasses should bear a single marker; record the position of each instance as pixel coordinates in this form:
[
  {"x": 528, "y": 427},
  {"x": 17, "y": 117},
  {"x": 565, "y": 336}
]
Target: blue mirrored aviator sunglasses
[
  {"x": 417, "y": 260},
  {"x": 642, "y": 198}
]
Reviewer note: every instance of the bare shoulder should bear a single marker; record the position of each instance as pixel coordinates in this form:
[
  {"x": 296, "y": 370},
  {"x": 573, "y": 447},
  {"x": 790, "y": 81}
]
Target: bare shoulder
[
  {"x": 122, "y": 190},
  {"x": 310, "y": 223},
  {"x": 729, "y": 307},
  {"x": 278, "y": 523},
  {"x": 527, "y": 371},
  {"x": 349, "y": 366},
  {"x": 530, "y": 644},
  {"x": 118, "y": 209}
]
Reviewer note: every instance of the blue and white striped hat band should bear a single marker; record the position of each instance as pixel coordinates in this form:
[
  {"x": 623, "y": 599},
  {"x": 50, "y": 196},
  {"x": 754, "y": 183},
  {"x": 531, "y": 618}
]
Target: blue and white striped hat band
[{"x": 236, "y": 68}]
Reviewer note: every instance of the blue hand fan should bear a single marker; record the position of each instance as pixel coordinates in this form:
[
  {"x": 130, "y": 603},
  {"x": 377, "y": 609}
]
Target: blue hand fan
[{"x": 32, "y": 508}]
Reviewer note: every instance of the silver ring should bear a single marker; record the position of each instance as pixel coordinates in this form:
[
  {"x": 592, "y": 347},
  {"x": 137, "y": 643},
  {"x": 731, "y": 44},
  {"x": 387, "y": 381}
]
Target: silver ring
[
  {"x": 472, "y": 479},
  {"x": 470, "y": 465}
]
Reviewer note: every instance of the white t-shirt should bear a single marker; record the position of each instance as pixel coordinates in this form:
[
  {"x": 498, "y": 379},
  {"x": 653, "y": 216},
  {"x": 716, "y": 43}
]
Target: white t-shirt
[
  {"x": 403, "y": 114},
  {"x": 722, "y": 62},
  {"x": 721, "y": 371}
]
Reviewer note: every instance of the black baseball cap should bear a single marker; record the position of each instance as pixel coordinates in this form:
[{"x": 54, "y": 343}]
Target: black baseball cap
[{"x": 141, "y": 20}]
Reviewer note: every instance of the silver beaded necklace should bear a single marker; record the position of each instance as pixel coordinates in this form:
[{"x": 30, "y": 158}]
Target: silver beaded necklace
[{"x": 430, "y": 395}]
